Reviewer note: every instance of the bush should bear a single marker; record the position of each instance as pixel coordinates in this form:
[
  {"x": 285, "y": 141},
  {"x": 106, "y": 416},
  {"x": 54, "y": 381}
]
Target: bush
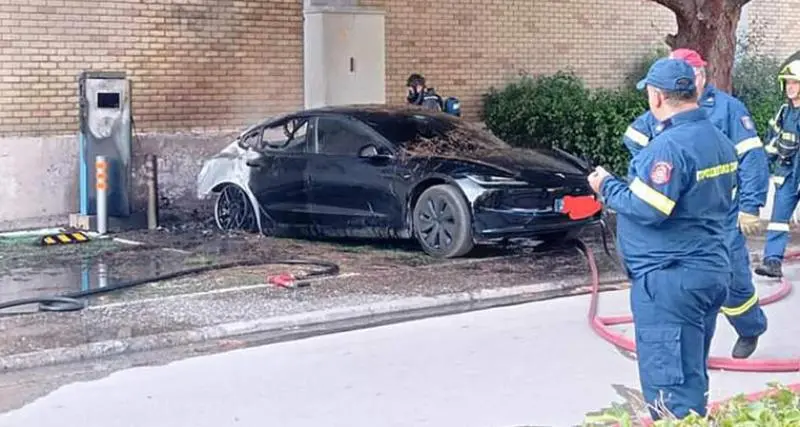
[
  {"x": 559, "y": 111},
  {"x": 756, "y": 84},
  {"x": 641, "y": 67},
  {"x": 779, "y": 408}
]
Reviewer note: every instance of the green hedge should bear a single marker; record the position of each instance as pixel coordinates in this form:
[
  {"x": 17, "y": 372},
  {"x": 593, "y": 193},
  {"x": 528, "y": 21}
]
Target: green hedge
[
  {"x": 756, "y": 84},
  {"x": 560, "y": 111},
  {"x": 779, "y": 408}
]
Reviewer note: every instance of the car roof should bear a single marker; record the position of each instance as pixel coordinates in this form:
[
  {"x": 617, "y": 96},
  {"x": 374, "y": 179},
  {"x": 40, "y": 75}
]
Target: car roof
[
  {"x": 359, "y": 110},
  {"x": 367, "y": 108}
]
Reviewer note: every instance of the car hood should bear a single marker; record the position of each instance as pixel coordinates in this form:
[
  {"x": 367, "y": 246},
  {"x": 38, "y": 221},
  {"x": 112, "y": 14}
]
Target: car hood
[{"x": 527, "y": 162}]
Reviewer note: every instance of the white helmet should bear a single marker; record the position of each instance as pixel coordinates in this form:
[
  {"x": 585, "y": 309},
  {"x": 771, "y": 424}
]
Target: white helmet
[{"x": 790, "y": 72}]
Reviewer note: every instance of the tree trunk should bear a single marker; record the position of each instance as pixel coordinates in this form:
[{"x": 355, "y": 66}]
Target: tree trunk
[{"x": 708, "y": 27}]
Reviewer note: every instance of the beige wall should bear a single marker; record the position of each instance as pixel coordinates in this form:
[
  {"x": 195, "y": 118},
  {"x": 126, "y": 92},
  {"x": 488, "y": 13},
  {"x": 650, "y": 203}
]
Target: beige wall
[
  {"x": 777, "y": 25},
  {"x": 193, "y": 63},
  {"x": 211, "y": 64}
]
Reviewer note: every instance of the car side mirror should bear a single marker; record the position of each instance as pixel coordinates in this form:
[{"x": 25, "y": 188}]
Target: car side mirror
[
  {"x": 368, "y": 151},
  {"x": 254, "y": 158},
  {"x": 371, "y": 152}
]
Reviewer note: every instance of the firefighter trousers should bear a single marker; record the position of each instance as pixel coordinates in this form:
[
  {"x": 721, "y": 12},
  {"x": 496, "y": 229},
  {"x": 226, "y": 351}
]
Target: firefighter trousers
[
  {"x": 675, "y": 313},
  {"x": 783, "y": 206},
  {"x": 741, "y": 308}
]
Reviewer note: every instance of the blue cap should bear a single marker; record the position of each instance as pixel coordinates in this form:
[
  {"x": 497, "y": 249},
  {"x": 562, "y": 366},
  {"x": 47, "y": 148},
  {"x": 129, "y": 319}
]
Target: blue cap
[{"x": 672, "y": 75}]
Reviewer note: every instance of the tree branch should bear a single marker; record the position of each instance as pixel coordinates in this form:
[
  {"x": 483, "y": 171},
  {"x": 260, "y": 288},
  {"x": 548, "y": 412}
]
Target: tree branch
[{"x": 683, "y": 9}]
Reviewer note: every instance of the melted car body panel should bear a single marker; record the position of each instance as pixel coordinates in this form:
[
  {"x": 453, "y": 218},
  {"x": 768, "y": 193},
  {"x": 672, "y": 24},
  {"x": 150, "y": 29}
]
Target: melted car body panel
[{"x": 228, "y": 167}]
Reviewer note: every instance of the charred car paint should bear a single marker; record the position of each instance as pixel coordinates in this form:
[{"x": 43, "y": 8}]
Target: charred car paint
[{"x": 391, "y": 172}]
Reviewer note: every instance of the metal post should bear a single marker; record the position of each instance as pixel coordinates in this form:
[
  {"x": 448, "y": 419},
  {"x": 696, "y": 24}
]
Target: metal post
[
  {"x": 102, "y": 275},
  {"x": 101, "y": 175},
  {"x": 152, "y": 192},
  {"x": 86, "y": 281},
  {"x": 83, "y": 179}
]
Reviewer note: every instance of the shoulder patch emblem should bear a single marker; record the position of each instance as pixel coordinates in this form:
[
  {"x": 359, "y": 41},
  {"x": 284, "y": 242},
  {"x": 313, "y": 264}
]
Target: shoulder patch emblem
[
  {"x": 661, "y": 173},
  {"x": 747, "y": 122}
]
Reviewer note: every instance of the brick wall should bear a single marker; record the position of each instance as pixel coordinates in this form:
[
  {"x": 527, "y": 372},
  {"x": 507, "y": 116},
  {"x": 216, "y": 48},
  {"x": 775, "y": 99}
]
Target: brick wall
[
  {"x": 219, "y": 64},
  {"x": 465, "y": 46},
  {"x": 775, "y": 26},
  {"x": 193, "y": 63}
]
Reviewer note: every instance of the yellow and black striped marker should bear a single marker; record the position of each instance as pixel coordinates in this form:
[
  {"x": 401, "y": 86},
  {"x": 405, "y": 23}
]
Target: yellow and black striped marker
[{"x": 64, "y": 239}]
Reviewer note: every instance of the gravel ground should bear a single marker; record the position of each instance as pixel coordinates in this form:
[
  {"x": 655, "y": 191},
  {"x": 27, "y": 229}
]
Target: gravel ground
[{"x": 370, "y": 273}]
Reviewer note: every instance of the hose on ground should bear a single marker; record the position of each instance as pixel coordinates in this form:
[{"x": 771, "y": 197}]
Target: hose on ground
[
  {"x": 77, "y": 300},
  {"x": 602, "y": 325}
]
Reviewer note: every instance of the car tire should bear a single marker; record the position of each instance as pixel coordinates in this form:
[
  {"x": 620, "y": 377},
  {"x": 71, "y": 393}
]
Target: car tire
[
  {"x": 447, "y": 234},
  {"x": 233, "y": 210}
]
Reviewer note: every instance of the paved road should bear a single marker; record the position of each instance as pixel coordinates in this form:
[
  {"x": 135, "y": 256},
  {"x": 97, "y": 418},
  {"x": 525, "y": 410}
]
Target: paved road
[{"x": 534, "y": 365}]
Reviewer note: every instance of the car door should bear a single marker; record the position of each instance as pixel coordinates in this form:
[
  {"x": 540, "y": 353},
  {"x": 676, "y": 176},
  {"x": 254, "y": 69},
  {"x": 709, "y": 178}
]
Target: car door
[
  {"x": 278, "y": 171},
  {"x": 351, "y": 194}
]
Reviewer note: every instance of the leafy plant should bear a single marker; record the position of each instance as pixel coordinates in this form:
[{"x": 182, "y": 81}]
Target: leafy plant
[
  {"x": 780, "y": 407},
  {"x": 755, "y": 82},
  {"x": 641, "y": 67},
  {"x": 560, "y": 111}
]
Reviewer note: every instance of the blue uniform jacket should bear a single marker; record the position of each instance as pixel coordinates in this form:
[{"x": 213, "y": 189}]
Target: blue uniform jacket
[
  {"x": 731, "y": 117},
  {"x": 787, "y": 126},
  {"x": 675, "y": 208}
]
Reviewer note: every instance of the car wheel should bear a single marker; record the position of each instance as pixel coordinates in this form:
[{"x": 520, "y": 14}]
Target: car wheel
[
  {"x": 233, "y": 210},
  {"x": 442, "y": 222}
]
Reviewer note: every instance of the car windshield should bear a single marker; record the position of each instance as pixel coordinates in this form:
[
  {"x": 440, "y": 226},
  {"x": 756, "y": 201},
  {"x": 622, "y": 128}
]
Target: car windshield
[{"x": 426, "y": 133}]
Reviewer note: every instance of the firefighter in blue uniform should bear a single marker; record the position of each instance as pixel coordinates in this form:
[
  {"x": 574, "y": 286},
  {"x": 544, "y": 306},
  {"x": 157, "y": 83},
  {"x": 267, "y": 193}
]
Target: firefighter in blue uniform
[
  {"x": 782, "y": 146},
  {"x": 672, "y": 221},
  {"x": 729, "y": 115}
]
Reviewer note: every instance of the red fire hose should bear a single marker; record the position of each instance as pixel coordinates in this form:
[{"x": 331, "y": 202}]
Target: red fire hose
[{"x": 602, "y": 326}]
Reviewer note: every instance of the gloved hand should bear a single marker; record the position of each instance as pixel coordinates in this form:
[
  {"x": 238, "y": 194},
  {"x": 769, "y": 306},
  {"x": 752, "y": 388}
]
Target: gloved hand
[
  {"x": 596, "y": 178},
  {"x": 748, "y": 223}
]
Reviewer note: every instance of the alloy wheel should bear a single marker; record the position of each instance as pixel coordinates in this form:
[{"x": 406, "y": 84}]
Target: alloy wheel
[{"x": 233, "y": 210}]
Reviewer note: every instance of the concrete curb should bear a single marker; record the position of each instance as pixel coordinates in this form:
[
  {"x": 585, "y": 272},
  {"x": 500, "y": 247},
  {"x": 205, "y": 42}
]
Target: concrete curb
[{"x": 318, "y": 322}]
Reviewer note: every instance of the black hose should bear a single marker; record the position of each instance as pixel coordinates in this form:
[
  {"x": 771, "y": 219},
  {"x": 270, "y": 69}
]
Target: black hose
[
  {"x": 77, "y": 300},
  {"x": 605, "y": 232}
]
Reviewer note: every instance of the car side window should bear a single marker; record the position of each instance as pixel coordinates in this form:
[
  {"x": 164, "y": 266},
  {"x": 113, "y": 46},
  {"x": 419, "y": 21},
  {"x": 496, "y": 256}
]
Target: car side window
[
  {"x": 338, "y": 137},
  {"x": 250, "y": 140},
  {"x": 288, "y": 137}
]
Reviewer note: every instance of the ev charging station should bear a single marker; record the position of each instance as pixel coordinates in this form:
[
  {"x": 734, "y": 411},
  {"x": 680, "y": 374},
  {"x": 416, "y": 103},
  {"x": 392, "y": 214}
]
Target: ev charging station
[{"x": 104, "y": 148}]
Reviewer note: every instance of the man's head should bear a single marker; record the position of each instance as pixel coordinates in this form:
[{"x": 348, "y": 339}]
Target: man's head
[
  {"x": 790, "y": 81},
  {"x": 415, "y": 82},
  {"x": 670, "y": 88},
  {"x": 697, "y": 62}
]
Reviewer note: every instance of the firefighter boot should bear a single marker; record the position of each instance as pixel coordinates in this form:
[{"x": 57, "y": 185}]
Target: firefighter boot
[
  {"x": 745, "y": 346},
  {"x": 769, "y": 268}
]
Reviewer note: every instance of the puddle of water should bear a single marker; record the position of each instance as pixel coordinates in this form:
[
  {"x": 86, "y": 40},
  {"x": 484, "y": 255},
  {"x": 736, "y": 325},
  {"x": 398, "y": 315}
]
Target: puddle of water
[{"x": 83, "y": 273}]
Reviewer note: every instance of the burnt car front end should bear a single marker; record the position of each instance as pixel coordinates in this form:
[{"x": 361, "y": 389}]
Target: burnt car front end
[
  {"x": 506, "y": 208},
  {"x": 512, "y": 192}
]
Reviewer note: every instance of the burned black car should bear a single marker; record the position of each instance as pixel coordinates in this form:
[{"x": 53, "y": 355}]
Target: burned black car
[{"x": 393, "y": 172}]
